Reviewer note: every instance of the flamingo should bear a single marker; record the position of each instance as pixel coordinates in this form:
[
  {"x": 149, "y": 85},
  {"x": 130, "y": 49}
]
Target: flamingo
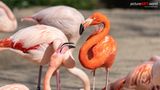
[
  {"x": 37, "y": 43},
  {"x": 15, "y": 86},
  {"x": 68, "y": 20},
  {"x": 8, "y": 21},
  {"x": 100, "y": 48},
  {"x": 145, "y": 76}
]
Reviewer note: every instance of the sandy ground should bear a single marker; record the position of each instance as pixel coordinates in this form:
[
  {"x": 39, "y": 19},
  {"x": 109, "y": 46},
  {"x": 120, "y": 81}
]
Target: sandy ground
[{"x": 137, "y": 33}]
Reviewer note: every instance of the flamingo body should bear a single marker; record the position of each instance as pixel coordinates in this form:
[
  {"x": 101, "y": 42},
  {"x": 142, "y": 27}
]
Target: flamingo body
[
  {"x": 65, "y": 18},
  {"x": 32, "y": 41},
  {"x": 103, "y": 54}
]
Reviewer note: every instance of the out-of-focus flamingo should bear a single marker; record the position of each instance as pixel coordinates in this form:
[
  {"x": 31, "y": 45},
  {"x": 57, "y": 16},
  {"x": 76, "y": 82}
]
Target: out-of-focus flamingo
[
  {"x": 8, "y": 21},
  {"x": 144, "y": 77},
  {"x": 15, "y": 86},
  {"x": 37, "y": 43},
  {"x": 100, "y": 48},
  {"x": 68, "y": 20}
]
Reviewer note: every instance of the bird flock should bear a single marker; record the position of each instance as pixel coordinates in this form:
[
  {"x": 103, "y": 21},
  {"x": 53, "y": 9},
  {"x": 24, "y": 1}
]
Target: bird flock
[{"x": 53, "y": 39}]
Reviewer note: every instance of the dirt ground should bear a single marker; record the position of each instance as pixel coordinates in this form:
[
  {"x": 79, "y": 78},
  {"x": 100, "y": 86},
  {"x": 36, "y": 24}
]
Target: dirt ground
[{"x": 137, "y": 33}]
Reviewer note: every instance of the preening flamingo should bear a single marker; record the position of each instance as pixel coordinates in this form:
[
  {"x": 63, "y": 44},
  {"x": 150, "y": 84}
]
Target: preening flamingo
[
  {"x": 15, "y": 86},
  {"x": 37, "y": 43},
  {"x": 8, "y": 21},
  {"x": 68, "y": 20},
  {"x": 144, "y": 77},
  {"x": 100, "y": 48}
]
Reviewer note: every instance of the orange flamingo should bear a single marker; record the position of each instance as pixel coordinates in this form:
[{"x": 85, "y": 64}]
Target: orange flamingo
[{"x": 100, "y": 48}]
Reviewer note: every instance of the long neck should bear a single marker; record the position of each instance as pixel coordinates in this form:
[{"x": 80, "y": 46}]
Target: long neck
[
  {"x": 83, "y": 55},
  {"x": 7, "y": 10}
]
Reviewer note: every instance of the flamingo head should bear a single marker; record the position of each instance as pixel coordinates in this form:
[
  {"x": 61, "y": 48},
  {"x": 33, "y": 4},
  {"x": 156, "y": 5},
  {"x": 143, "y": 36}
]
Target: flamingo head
[
  {"x": 95, "y": 19},
  {"x": 64, "y": 49}
]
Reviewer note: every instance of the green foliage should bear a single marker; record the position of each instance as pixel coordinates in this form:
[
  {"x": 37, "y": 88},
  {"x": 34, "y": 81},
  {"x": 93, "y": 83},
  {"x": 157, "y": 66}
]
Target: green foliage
[{"x": 79, "y": 4}]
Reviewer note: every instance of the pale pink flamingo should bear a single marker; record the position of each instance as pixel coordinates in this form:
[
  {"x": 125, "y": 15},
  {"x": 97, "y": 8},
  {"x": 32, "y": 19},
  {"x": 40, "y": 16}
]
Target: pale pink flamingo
[
  {"x": 8, "y": 21},
  {"x": 144, "y": 77},
  {"x": 37, "y": 44},
  {"x": 65, "y": 18},
  {"x": 15, "y": 86}
]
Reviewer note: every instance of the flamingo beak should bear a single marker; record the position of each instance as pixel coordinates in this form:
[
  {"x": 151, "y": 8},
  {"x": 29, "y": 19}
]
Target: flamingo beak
[
  {"x": 81, "y": 29},
  {"x": 87, "y": 22},
  {"x": 84, "y": 25}
]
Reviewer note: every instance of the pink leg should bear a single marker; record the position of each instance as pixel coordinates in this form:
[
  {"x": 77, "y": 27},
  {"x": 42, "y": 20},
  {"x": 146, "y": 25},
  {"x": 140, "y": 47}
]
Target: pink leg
[
  {"x": 58, "y": 81},
  {"x": 107, "y": 75},
  {"x": 94, "y": 78}
]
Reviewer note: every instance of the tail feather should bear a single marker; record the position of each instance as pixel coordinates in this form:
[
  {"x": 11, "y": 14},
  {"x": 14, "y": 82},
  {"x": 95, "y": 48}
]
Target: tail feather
[{"x": 6, "y": 43}]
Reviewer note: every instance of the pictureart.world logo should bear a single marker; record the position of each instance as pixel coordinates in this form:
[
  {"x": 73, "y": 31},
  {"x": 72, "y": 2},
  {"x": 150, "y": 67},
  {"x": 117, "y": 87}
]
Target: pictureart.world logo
[{"x": 145, "y": 4}]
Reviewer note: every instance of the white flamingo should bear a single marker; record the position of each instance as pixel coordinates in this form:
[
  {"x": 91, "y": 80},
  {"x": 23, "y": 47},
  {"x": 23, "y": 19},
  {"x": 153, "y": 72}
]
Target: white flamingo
[
  {"x": 37, "y": 44},
  {"x": 8, "y": 21},
  {"x": 65, "y": 18}
]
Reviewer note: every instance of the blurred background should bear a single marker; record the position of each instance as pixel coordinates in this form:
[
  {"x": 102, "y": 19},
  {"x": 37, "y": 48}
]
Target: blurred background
[
  {"x": 134, "y": 24},
  {"x": 80, "y": 4}
]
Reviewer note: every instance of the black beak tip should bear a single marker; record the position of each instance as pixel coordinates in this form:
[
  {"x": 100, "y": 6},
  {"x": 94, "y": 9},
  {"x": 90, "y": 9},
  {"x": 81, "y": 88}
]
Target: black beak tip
[{"x": 81, "y": 29}]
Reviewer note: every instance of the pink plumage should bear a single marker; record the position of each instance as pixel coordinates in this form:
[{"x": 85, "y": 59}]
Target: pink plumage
[{"x": 8, "y": 21}]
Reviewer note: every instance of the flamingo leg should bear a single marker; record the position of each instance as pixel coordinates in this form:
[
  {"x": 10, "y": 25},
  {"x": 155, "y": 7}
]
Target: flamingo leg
[
  {"x": 107, "y": 75},
  {"x": 58, "y": 81},
  {"x": 94, "y": 79},
  {"x": 39, "y": 78}
]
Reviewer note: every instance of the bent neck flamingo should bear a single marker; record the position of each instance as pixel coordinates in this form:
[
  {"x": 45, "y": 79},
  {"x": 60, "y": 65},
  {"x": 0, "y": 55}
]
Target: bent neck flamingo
[
  {"x": 37, "y": 43},
  {"x": 68, "y": 20},
  {"x": 8, "y": 21},
  {"x": 100, "y": 48}
]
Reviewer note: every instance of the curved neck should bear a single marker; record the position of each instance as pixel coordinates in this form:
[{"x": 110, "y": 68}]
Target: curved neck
[
  {"x": 8, "y": 11},
  {"x": 83, "y": 56}
]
